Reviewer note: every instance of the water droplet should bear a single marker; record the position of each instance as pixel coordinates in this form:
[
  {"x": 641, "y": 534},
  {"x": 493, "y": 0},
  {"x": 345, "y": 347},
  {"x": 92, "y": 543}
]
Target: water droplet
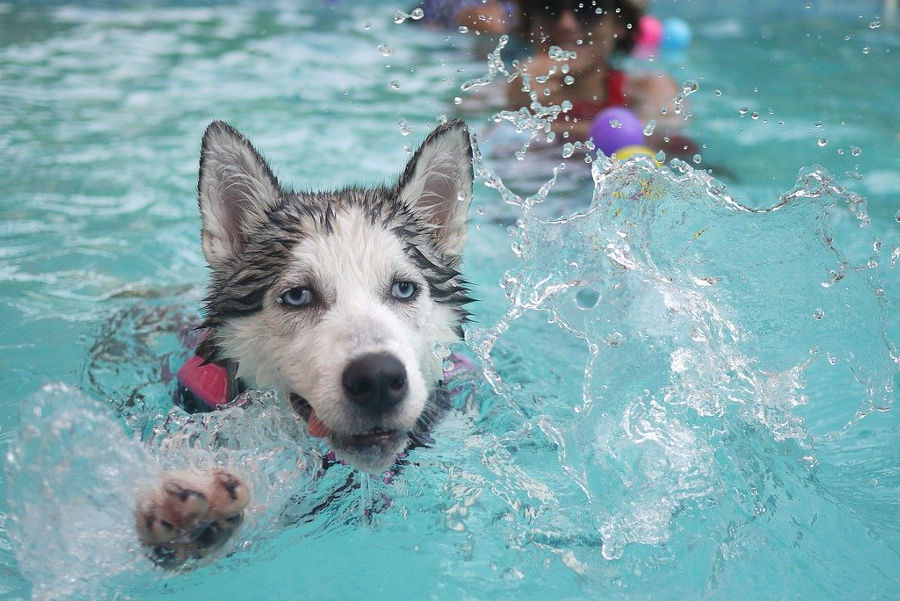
[
  {"x": 866, "y": 50},
  {"x": 875, "y": 24},
  {"x": 367, "y": 26},
  {"x": 840, "y": 151},
  {"x": 697, "y": 158},
  {"x": 615, "y": 124},
  {"x": 743, "y": 110},
  {"x": 660, "y": 157},
  {"x": 385, "y": 50},
  {"x": 586, "y": 298},
  {"x": 818, "y": 314},
  {"x": 395, "y": 84},
  {"x": 855, "y": 151},
  {"x": 754, "y": 115},
  {"x": 568, "y": 150},
  {"x": 405, "y": 129},
  {"x": 415, "y": 15},
  {"x": 821, "y": 141},
  {"x": 568, "y": 80},
  {"x": 718, "y": 92},
  {"x": 848, "y": 37},
  {"x": 648, "y": 129},
  {"x": 819, "y": 124},
  {"x": 663, "y": 110},
  {"x": 689, "y": 87},
  {"x": 457, "y": 100},
  {"x": 463, "y": 29}
]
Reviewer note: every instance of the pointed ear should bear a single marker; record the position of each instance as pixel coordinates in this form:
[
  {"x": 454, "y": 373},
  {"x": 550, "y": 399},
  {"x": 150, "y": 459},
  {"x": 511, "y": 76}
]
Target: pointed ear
[
  {"x": 235, "y": 191},
  {"x": 437, "y": 183}
]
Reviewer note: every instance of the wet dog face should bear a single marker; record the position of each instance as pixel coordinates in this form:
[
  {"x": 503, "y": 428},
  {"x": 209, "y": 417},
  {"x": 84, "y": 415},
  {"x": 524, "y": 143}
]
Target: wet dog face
[{"x": 344, "y": 301}]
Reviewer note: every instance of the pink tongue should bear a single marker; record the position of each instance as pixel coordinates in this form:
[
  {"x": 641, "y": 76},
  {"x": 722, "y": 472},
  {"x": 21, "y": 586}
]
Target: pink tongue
[{"x": 316, "y": 427}]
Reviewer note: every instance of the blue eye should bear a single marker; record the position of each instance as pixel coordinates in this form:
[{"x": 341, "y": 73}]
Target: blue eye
[
  {"x": 300, "y": 296},
  {"x": 403, "y": 290}
]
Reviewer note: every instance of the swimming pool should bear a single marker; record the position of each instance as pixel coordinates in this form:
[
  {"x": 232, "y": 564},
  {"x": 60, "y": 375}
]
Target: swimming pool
[{"x": 686, "y": 394}]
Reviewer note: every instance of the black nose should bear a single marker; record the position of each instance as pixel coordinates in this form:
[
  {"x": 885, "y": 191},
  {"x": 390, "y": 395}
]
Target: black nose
[{"x": 376, "y": 381}]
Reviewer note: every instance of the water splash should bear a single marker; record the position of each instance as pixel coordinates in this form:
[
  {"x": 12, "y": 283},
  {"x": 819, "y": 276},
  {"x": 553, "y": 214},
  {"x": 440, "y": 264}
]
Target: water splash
[
  {"x": 689, "y": 316},
  {"x": 74, "y": 474}
]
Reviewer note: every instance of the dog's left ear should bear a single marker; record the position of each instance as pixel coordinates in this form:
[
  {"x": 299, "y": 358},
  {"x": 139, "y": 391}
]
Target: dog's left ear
[{"x": 437, "y": 183}]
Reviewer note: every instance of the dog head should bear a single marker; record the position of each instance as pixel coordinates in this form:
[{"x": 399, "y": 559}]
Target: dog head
[{"x": 345, "y": 301}]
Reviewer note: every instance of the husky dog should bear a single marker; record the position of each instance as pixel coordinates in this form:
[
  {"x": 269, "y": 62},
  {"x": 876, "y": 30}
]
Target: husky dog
[{"x": 337, "y": 300}]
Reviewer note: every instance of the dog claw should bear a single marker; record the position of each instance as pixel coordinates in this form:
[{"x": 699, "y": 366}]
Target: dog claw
[{"x": 190, "y": 515}]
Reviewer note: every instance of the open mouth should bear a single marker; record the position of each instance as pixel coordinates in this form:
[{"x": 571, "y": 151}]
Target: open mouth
[{"x": 376, "y": 437}]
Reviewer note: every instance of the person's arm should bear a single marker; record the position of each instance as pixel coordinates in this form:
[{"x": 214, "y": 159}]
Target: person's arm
[{"x": 648, "y": 94}]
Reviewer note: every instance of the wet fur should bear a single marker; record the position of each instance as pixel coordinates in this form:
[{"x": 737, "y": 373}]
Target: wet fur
[{"x": 349, "y": 247}]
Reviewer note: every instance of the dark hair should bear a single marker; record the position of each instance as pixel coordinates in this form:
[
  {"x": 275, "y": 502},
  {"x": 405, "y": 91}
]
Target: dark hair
[{"x": 628, "y": 12}]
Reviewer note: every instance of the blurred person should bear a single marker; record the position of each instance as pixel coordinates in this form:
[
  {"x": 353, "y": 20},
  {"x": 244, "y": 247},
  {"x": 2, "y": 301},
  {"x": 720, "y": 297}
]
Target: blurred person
[{"x": 596, "y": 31}]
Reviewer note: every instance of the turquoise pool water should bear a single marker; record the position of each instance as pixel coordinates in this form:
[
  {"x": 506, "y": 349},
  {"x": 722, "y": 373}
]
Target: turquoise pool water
[{"x": 688, "y": 382}]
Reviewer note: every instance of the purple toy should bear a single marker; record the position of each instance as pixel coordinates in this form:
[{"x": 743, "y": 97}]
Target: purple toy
[{"x": 615, "y": 128}]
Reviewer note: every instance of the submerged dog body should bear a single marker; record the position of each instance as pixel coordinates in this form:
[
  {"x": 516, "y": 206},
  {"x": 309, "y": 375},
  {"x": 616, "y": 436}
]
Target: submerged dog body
[{"x": 344, "y": 302}]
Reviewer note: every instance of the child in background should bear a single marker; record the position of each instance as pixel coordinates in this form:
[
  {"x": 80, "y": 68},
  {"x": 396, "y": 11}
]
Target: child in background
[{"x": 595, "y": 30}]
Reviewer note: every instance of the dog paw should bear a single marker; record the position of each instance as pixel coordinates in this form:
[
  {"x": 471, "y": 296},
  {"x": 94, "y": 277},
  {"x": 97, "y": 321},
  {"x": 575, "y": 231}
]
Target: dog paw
[{"x": 190, "y": 515}]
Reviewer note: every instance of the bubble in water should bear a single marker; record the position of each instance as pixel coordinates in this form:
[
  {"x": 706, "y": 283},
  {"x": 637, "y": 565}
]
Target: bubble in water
[
  {"x": 754, "y": 115},
  {"x": 586, "y": 298},
  {"x": 385, "y": 50},
  {"x": 689, "y": 87},
  {"x": 821, "y": 141},
  {"x": 648, "y": 129},
  {"x": 848, "y": 37},
  {"x": 615, "y": 124},
  {"x": 660, "y": 157},
  {"x": 697, "y": 158},
  {"x": 743, "y": 110},
  {"x": 875, "y": 24},
  {"x": 457, "y": 100},
  {"x": 395, "y": 84},
  {"x": 404, "y": 126},
  {"x": 568, "y": 150},
  {"x": 866, "y": 50},
  {"x": 718, "y": 92},
  {"x": 855, "y": 151},
  {"x": 463, "y": 29},
  {"x": 569, "y": 80},
  {"x": 818, "y": 314}
]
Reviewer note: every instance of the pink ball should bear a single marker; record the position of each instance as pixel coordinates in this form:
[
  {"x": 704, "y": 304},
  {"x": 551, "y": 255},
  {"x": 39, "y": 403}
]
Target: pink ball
[
  {"x": 649, "y": 33},
  {"x": 615, "y": 128}
]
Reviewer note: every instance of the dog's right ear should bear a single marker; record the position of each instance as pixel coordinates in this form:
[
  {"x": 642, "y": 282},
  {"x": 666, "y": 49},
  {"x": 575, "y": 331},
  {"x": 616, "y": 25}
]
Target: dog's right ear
[
  {"x": 235, "y": 191},
  {"x": 437, "y": 184}
]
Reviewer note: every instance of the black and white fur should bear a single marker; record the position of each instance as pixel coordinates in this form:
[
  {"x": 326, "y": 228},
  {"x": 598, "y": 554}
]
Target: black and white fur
[{"x": 343, "y": 301}]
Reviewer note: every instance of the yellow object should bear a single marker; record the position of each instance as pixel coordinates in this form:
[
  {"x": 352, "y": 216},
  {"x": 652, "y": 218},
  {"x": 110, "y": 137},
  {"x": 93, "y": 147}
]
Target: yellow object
[{"x": 626, "y": 152}]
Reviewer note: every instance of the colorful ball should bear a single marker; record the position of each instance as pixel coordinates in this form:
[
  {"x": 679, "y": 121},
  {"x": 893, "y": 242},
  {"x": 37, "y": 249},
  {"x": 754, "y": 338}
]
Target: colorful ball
[
  {"x": 649, "y": 33},
  {"x": 615, "y": 128},
  {"x": 627, "y": 152},
  {"x": 676, "y": 35}
]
